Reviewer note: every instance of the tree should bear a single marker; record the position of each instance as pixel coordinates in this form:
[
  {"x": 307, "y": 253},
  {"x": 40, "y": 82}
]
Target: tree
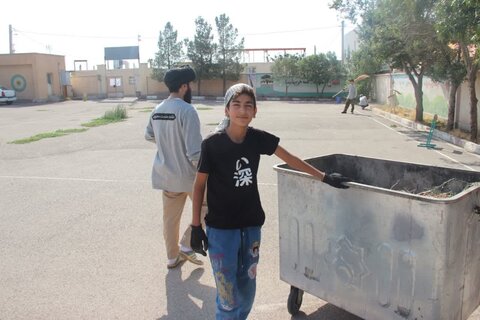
[
  {"x": 320, "y": 69},
  {"x": 229, "y": 50},
  {"x": 400, "y": 33},
  {"x": 352, "y": 9},
  {"x": 314, "y": 69},
  {"x": 201, "y": 51},
  {"x": 459, "y": 21},
  {"x": 409, "y": 41},
  {"x": 451, "y": 69},
  {"x": 364, "y": 61},
  {"x": 169, "y": 53},
  {"x": 286, "y": 69}
]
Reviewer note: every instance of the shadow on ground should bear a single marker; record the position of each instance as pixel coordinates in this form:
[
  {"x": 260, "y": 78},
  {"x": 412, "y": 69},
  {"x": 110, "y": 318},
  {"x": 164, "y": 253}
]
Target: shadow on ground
[
  {"x": 188, "y": 299},
  {"x": 326, "y": 312}
]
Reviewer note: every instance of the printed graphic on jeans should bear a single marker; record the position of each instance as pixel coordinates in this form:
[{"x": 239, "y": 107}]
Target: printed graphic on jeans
[
  {"x": 254, "y": 250},
  {"x": 252, "y": 271},
  {"x": 225, "y": 291},
  {"x": 243, "y": 175},
  {"x": 224, "y": 287}
]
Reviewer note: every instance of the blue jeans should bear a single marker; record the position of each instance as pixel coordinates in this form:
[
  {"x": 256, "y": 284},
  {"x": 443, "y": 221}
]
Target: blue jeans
[{"x": 234, "y": 257}]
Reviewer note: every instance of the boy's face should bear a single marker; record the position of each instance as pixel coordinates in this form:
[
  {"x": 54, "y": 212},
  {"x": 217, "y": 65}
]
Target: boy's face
[{"x": 241, "y": 110}]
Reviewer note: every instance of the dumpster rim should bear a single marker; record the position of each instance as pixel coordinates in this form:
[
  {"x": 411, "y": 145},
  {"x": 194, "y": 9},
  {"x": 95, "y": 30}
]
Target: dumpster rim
[{"x": 454, "y": 198}]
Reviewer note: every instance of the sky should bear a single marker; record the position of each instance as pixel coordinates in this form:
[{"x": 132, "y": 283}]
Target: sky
[{"x": 80, "y": 30}]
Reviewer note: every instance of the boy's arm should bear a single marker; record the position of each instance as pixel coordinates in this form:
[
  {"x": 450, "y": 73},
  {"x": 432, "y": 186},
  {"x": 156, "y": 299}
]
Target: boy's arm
[
  {"x": 198, "y": 238},
  {"x": 334, "y": 179},
  {"x": 198, "y": 194},
  {"x": 297, "y": 163}
]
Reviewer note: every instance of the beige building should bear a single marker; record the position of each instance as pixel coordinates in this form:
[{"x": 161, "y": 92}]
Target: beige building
[
  {"x": 129, "y": 82},
  {"x": 35, "y": 77},
  {"x": 41, "y": 77},
  {"x": 116, "y": 83}
]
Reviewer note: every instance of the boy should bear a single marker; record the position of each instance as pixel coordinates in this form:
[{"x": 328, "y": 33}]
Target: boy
[
  {"x": 363, "y": 102},
  {"x": 229, "y": 161},
  {"x": 352, "y": 94}
]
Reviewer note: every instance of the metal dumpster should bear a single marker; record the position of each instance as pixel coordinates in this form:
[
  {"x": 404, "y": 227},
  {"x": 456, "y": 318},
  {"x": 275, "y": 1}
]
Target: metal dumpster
[{"x": 380, "y": 249}]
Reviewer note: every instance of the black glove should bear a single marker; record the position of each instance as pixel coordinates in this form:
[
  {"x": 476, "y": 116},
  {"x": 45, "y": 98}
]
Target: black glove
[
  {"x": 336, "y": 180},
  {"x": 199, "y": 240}
]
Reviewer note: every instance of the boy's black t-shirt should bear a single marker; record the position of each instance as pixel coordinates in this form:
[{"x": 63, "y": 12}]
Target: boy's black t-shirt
[{"x": 232, "y": 192}]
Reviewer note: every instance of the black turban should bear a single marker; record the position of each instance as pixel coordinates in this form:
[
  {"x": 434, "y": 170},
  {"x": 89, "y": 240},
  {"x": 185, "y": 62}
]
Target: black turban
[{"x": 175, "y": 77}]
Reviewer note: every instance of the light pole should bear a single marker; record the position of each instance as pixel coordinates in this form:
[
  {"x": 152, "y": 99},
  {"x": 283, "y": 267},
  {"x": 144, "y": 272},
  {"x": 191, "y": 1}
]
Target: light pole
[{"x": 10, "y": 37}]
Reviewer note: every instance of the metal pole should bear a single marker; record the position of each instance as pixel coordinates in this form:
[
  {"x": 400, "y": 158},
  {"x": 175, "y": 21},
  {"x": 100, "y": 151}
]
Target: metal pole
[
  {"x": 10, "y": 36},
  {"x": 343, "y": 42}
]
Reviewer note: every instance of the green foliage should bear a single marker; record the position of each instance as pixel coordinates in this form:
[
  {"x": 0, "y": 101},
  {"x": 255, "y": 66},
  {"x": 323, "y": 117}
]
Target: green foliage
[
  {"x": 286, "y": 69},
  {"x": 315, "y": 70},
  {"x": 119, "y": 113},
  {"x": 40, "y": 136},
  {"x": 170, "y": 52},
  {"x": 402, "y": 34},
  {"x": 201, "y": 51},
  {"x": 364, "y": 61},
  {"x": 458, "y": 22},
  {"x": 229, "y": 50},
  {"x": 449, "y": 67},
  {"x": 352, "y": 9},
  {"x": 423, "y": 37},
  {"x": 320, "y": 69}
]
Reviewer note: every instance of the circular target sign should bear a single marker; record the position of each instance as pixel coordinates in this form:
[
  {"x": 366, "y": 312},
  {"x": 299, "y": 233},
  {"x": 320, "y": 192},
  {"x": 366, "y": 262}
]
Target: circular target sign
[{"x": 18, "y": 83}]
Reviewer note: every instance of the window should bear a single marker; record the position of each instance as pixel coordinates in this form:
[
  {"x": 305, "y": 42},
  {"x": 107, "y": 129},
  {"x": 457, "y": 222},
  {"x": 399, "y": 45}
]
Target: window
[{"x": 115, "y": 82}]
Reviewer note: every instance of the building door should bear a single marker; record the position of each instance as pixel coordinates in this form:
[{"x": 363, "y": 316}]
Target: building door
[
  {"x": 115, "y": 87},
  {"x": 49, "y": 83}
]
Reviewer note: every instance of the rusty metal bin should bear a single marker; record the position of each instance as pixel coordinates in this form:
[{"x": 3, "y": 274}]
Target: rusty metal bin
[{"x": 385, "y": 248}]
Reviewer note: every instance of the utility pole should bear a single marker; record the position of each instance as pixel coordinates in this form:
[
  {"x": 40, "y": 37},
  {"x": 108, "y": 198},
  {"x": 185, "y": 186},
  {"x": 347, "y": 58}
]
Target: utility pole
[
  {"x": 10, "y": 37},
  {"x": 343, "y": 42}
]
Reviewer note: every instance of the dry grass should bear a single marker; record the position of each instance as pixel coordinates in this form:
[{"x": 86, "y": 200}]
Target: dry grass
[{"x": 427, "y": 120}]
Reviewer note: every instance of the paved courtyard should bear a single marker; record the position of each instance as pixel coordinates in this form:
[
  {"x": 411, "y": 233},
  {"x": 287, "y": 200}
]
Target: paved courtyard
[{"x": 81, "y": 231}]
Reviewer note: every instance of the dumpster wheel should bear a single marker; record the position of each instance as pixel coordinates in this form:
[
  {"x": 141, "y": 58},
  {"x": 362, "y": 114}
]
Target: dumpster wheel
[{"x": 295, "y": 299}]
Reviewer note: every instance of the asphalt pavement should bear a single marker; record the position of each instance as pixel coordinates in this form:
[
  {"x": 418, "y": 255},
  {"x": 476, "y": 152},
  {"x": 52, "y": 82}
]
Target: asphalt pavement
[{"x": 81, "y": 232}]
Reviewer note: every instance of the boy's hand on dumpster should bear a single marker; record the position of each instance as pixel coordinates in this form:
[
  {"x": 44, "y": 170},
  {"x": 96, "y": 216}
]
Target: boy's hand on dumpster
[
  {"x": 199, "y": 240},
  {"x": 336, "y": 180}
]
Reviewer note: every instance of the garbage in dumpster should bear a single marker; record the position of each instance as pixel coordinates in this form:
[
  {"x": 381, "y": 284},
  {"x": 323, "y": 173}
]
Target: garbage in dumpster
[
  {"x": 447, "y": 189},
  {"x": 400, "y": 243}
]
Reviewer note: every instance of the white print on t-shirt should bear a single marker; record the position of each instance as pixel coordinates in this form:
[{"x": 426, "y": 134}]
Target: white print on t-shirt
[{"x": 243, "y": 175}]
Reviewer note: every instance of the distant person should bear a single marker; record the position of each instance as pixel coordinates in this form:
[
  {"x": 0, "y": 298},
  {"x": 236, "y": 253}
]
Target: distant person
[
  {"x": 352, "y": 94},
  {"x": 363, "y": 102},
  {"x": 174, "y": 127},
  {"x": 228, "y": 169}
]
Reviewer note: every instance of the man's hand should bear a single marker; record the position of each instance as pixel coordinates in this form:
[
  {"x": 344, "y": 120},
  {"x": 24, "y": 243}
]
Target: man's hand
[
  {"x": 336, "y": 180},
  {"x": 199, "y": 240}
]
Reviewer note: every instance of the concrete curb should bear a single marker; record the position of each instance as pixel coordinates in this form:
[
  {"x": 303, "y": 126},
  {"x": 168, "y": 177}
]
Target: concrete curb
[
  {"x": 119, "y": 100},
  {"x": 467, "y": 145}
]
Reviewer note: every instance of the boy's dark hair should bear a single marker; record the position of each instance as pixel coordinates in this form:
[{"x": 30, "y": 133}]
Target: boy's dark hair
[
  {"x": 174, "y": 78},
  {"x": 238, "y": 89},
  {"x": 351, "y": 80}
]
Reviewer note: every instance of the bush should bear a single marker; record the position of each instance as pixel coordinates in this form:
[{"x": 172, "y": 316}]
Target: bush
[
  {"x": 119, "y": 113},
  {"x": 111, "y": 116}
]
